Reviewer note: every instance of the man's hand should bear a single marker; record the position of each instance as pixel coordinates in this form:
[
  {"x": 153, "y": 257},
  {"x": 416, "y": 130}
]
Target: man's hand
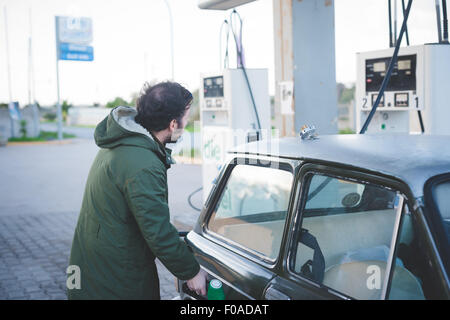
[{"x": 198, "y": 283}]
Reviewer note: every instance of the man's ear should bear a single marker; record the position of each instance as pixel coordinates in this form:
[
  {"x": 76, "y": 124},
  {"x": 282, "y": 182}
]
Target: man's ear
[{"x": 173, "y": 125}]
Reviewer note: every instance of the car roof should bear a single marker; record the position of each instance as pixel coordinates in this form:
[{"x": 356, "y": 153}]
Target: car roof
[{"x": 411, "y": 158}]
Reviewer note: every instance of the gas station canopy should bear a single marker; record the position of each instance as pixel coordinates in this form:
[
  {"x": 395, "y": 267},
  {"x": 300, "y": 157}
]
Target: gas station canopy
[{"x": 221, "y": 4}]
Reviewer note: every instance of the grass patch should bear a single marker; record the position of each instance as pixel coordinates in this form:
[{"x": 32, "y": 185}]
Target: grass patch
[
  {"x": 189, "y": 127},
  {"x": 43, "y": 136},
  {"x": 195, "y": 153},
  {"x": 47, "y": 121},
  {"x": 346, "y": 131}
]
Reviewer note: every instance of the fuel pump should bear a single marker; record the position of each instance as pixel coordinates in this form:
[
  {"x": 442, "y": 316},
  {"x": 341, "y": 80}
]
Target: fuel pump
[
  {"x": 419, "y": 82},
  {"x": 227, "y": 116}
]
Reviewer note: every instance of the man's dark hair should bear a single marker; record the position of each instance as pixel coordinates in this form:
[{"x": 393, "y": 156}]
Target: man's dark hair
[{"x": 159, "y": 104}]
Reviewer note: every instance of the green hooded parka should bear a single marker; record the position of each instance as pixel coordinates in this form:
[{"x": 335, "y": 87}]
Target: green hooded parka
[{"x": 124, "y": 221}]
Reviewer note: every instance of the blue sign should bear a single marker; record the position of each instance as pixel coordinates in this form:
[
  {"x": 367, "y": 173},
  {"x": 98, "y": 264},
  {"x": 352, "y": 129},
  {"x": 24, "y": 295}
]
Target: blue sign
[
  {"x": 73, "y": 38},
  {"x": 70, "y": 51},
  {"x": 77, "y": 56},
  {"x": 69, "y": 47},
  {"x": 76, "y": 30}
]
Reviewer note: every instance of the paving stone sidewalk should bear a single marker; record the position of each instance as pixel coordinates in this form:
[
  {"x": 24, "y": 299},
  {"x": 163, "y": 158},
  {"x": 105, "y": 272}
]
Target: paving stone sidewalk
[
  {"x": 41, "y": 190},
  {"x": 34, "y": 255}
]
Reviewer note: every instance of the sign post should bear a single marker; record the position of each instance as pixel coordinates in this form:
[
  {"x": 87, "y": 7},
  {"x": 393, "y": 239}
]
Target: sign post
[
  {"x": 73, "y": 37},
  {"x": 58, "y": 102}
]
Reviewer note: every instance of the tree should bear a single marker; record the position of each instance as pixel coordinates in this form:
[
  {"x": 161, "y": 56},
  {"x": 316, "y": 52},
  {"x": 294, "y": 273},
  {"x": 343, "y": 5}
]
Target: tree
[
  {"x": 195, "y": 112},
  {"x": 346, "y": 95},
  {"x": 118, "y": 101},
  {"x": 134, "y": 97},
  {"x": 66, "y": 106},
  {"x": 65, "y": 109}
]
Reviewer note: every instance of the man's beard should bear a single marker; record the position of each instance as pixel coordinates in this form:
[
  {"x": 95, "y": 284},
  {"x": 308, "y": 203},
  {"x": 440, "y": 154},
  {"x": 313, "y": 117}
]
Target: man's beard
[{"x": 175, "y": 137}]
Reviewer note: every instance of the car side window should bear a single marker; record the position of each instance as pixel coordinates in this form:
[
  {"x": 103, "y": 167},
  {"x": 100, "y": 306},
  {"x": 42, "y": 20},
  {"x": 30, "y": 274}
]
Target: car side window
[
  {"x": 343, "y": 241},
  {"x": 252, "y": 208},
  {"x": 333, "y": 193}
]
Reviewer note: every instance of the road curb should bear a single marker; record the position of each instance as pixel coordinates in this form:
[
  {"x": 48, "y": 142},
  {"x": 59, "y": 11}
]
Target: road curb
[{"x": 34, "y": 143}]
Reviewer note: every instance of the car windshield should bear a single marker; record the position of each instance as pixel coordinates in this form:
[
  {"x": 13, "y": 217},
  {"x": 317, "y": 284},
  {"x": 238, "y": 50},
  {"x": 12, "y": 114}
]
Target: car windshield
[{"x": 441, "y": 197}]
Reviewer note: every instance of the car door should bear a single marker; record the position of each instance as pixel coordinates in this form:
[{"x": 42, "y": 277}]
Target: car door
[
  {"x": 344, "y": 239},
  {"x": 240, "y": 231}
]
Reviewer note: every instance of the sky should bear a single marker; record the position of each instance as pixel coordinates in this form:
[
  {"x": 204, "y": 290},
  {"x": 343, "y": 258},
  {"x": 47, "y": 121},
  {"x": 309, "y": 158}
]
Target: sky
[{"x": 131, "y": 40}]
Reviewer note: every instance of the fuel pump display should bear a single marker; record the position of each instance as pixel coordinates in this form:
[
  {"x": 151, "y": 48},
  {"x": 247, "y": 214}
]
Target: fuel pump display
[
  {"x": 212, "y": 88},
  {"x": 419, "y": 81},
  {"x": 403, "y": 76}
]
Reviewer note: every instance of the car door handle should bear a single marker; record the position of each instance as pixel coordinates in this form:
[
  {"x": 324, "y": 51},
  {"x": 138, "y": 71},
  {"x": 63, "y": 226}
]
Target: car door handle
[{"x": 274, "y": 294}]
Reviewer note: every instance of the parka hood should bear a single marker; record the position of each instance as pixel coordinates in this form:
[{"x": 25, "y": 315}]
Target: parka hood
[{"x": 120, "y": 129}]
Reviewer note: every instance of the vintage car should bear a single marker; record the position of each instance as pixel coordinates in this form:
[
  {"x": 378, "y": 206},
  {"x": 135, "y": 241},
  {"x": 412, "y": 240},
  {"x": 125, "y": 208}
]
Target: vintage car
[{"x": 332, "y": 217}]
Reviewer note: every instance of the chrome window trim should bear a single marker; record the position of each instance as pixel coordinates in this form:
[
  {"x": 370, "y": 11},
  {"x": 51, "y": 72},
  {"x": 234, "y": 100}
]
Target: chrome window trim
[{"x": 389, "y": 265}]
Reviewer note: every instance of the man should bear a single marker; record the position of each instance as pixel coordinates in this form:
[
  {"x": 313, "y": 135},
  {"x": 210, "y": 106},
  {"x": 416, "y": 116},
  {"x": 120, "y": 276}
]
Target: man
[{"x": 124, "y": 219}]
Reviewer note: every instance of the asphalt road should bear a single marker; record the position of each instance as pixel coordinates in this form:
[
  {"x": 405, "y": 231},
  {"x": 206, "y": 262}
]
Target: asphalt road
[{"x": 40, "y": 196}]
